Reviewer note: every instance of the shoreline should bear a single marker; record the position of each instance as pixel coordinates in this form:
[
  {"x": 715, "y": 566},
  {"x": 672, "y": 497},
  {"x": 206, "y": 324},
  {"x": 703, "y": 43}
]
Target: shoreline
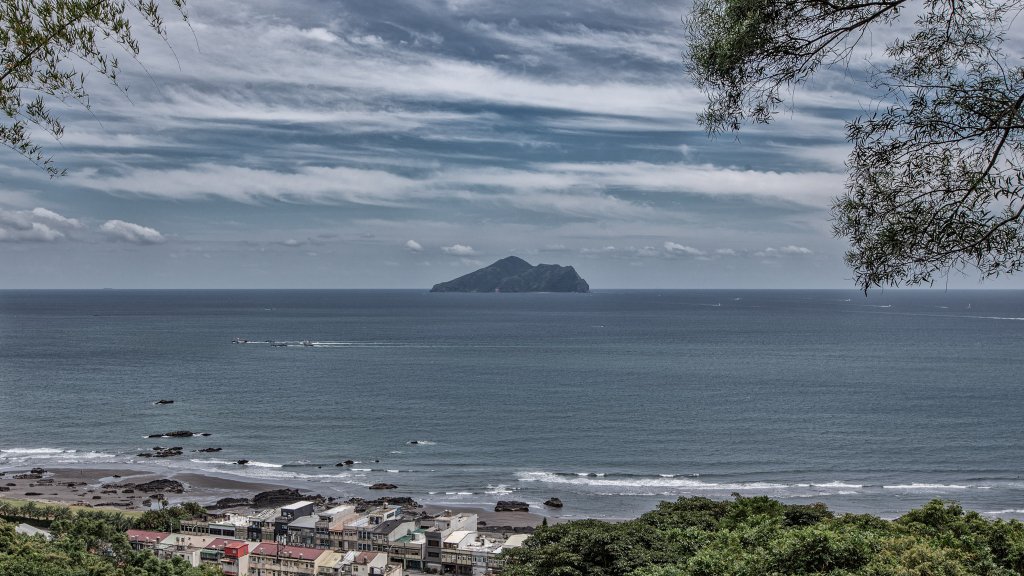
[{"x": 93, "y": 488}]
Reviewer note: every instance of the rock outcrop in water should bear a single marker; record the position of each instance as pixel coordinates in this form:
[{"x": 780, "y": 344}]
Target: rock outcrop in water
[{"x": 514, "y": 274}]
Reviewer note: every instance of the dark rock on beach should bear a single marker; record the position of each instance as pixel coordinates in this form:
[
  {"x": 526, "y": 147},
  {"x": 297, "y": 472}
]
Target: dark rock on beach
[
  {"x": 172, "y": 486},
  {"x": 37, "y": 471},
  {"x": 275, "y": 498},
  {"x": 229, "y": 503},
  {"x": 511, "y": 506},
  {"x": 363, "y": 505},
  {"x": 553, "y": 503},
  {"x": 513, "y": 274}
]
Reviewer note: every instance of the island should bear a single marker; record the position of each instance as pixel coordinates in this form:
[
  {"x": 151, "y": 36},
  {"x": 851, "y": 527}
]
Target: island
[{"x": 514, "y": 274}]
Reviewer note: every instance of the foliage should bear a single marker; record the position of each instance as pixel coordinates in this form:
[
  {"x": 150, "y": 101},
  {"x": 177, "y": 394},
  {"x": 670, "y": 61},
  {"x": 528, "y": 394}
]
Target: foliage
[
  {"x": 87, "y": 543},
  {"x": 41, "y": 43},
  {"x": 936, "y": 175},
  {"x": 762, "y": 537}
]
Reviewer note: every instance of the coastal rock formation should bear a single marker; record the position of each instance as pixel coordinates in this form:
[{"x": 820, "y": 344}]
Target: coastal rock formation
[
  {"x": 208, "y": 450},
  {"x": 172, "y": 486},
  {"x": 178, "y": 434},
  {"x": 275, "y": 498},
  {"x": 37, "y": 471},
  {"x": 242, "y": 462},
  {"x": 383, "y": 486},
  {"x": 161, "y": 402},
  {"x": 514, "y": 274},
  {"x": 363, "y": 505},
  {"x": 553, "y": 503},
  {"x": 229, "y": 503},
  {"x": 511, "y": 506}
]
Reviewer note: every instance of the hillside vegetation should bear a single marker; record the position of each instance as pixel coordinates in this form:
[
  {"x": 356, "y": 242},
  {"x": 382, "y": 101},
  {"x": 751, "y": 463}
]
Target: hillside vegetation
[{"x": 763, "y": 537}]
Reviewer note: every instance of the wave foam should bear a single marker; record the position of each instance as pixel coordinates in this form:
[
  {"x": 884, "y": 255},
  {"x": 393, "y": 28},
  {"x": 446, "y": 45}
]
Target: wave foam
[
  {"x": 922, "y": 486},
  {"x": 54, "y": 455},
  {"x": 643, "y": 482}
]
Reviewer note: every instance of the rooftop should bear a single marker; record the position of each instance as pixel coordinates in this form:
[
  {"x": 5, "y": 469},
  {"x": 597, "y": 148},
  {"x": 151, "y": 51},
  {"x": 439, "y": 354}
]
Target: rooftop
[
  {"x": 297, "y": 505},
  {"x": 280, "y": 550},
  {"x": 148, "y": 536},
  {"x": 304, "y": 522},
  {"x": 387, "y": 526}
]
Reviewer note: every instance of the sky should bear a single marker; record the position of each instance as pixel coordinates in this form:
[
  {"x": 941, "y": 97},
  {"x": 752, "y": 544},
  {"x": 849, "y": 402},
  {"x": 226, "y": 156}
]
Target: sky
[{"x": 401, "y": 143}]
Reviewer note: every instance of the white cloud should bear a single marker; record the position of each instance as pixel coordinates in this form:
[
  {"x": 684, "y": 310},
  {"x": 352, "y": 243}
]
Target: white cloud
[
  {"x": 320, "y": 34},
  {"x": 50, "y": 215},
  {"x": 725, "y": 252},
  {"x": 675, "y": 249},
  {"x": 129, "y": 232},
  {"x": 413, "y": 246},
  {"x": 459, "y": 250},
  {"x": 36, "y": 225},
  {"x": 795, "y": 250},
  {"x": 35, "y": 232}
]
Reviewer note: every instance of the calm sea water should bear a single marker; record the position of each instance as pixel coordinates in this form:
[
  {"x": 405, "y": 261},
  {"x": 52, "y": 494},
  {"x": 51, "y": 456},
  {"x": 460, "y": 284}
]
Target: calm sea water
[{"x": 611, "y": 401}]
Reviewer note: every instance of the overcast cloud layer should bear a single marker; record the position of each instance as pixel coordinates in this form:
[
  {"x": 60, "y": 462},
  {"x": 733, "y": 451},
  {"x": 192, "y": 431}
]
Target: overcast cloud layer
[{"x": 318, "y": 144}]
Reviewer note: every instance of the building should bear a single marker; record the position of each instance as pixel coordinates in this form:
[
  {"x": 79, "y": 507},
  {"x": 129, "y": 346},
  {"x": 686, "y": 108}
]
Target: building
[
  {"x": 302, "y": 532},
  {"x": 357, "y": 564},
  {"x": 289, "y": 514},
  {"x": 330, "y": 526},
  {"x": 146, "y": 539},
  {"x": 185, "y": 546},
  {"x": 275, "y": 559},
  {"x": 227, "y": 526},
  {"x": 261, "y": 525},
  {"x": 358, "y": 533},
  {"x": 440, "y": 529},
  {"x": 409, "y": 550},
  {"x": 231, "y": 556}
]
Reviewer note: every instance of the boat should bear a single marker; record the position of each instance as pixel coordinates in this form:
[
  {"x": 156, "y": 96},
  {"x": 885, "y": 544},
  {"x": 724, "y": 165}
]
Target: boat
[
  {"x": 279, "y": 344},
  {"x": 239, "y": 341},
  {"x": 307, "y": 343}
]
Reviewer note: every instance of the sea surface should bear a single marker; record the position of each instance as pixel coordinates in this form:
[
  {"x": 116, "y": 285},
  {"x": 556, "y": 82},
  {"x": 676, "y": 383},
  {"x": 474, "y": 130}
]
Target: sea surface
[{"x": 611, "y": 401}]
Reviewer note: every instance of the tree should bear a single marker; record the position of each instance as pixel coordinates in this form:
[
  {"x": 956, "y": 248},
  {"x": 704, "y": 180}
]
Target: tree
[
  {"x": 936, "y": 176},
  {"x": 43, "y": 40}
]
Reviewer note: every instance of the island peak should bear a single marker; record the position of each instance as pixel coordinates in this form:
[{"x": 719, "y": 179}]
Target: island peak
[{"x": 513, "y": 274}]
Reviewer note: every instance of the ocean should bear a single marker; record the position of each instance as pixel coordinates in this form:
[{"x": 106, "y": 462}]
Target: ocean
[{"x": 611, "y": 401}]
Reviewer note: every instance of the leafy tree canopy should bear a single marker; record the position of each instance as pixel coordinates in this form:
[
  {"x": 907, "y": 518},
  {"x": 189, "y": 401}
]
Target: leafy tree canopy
[
  {"x": 936, "y": 175},
  {"x": 763, "y": 537},
  {"x": 49, "y": 48}
]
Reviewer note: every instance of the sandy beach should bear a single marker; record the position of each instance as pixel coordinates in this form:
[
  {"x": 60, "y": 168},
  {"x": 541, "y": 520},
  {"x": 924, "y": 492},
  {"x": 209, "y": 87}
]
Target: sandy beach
[{"x": 108, "y": 487}]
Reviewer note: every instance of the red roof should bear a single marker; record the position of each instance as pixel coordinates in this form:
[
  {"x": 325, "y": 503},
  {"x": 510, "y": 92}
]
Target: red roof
[
  {"x": 366, "y": 557},
  {"x": 234, "y": 544},
  {"x": 219, "y": 543},
  {"x": 293, "y": 552},
  {"x": 146, "y": 536}
]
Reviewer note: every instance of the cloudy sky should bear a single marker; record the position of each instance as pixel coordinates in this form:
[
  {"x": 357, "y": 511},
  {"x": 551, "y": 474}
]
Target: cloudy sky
[{"x": 400, "y": 143}]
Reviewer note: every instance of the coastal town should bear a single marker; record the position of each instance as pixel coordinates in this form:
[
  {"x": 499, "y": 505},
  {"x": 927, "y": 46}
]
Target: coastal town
[
  {"x": 282, "y": 532},
  {"x": 299, "y": 540}
]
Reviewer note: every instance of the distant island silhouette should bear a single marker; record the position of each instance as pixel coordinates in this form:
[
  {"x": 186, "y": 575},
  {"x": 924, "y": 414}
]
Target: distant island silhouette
[{"x": 513, "y": 274}]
